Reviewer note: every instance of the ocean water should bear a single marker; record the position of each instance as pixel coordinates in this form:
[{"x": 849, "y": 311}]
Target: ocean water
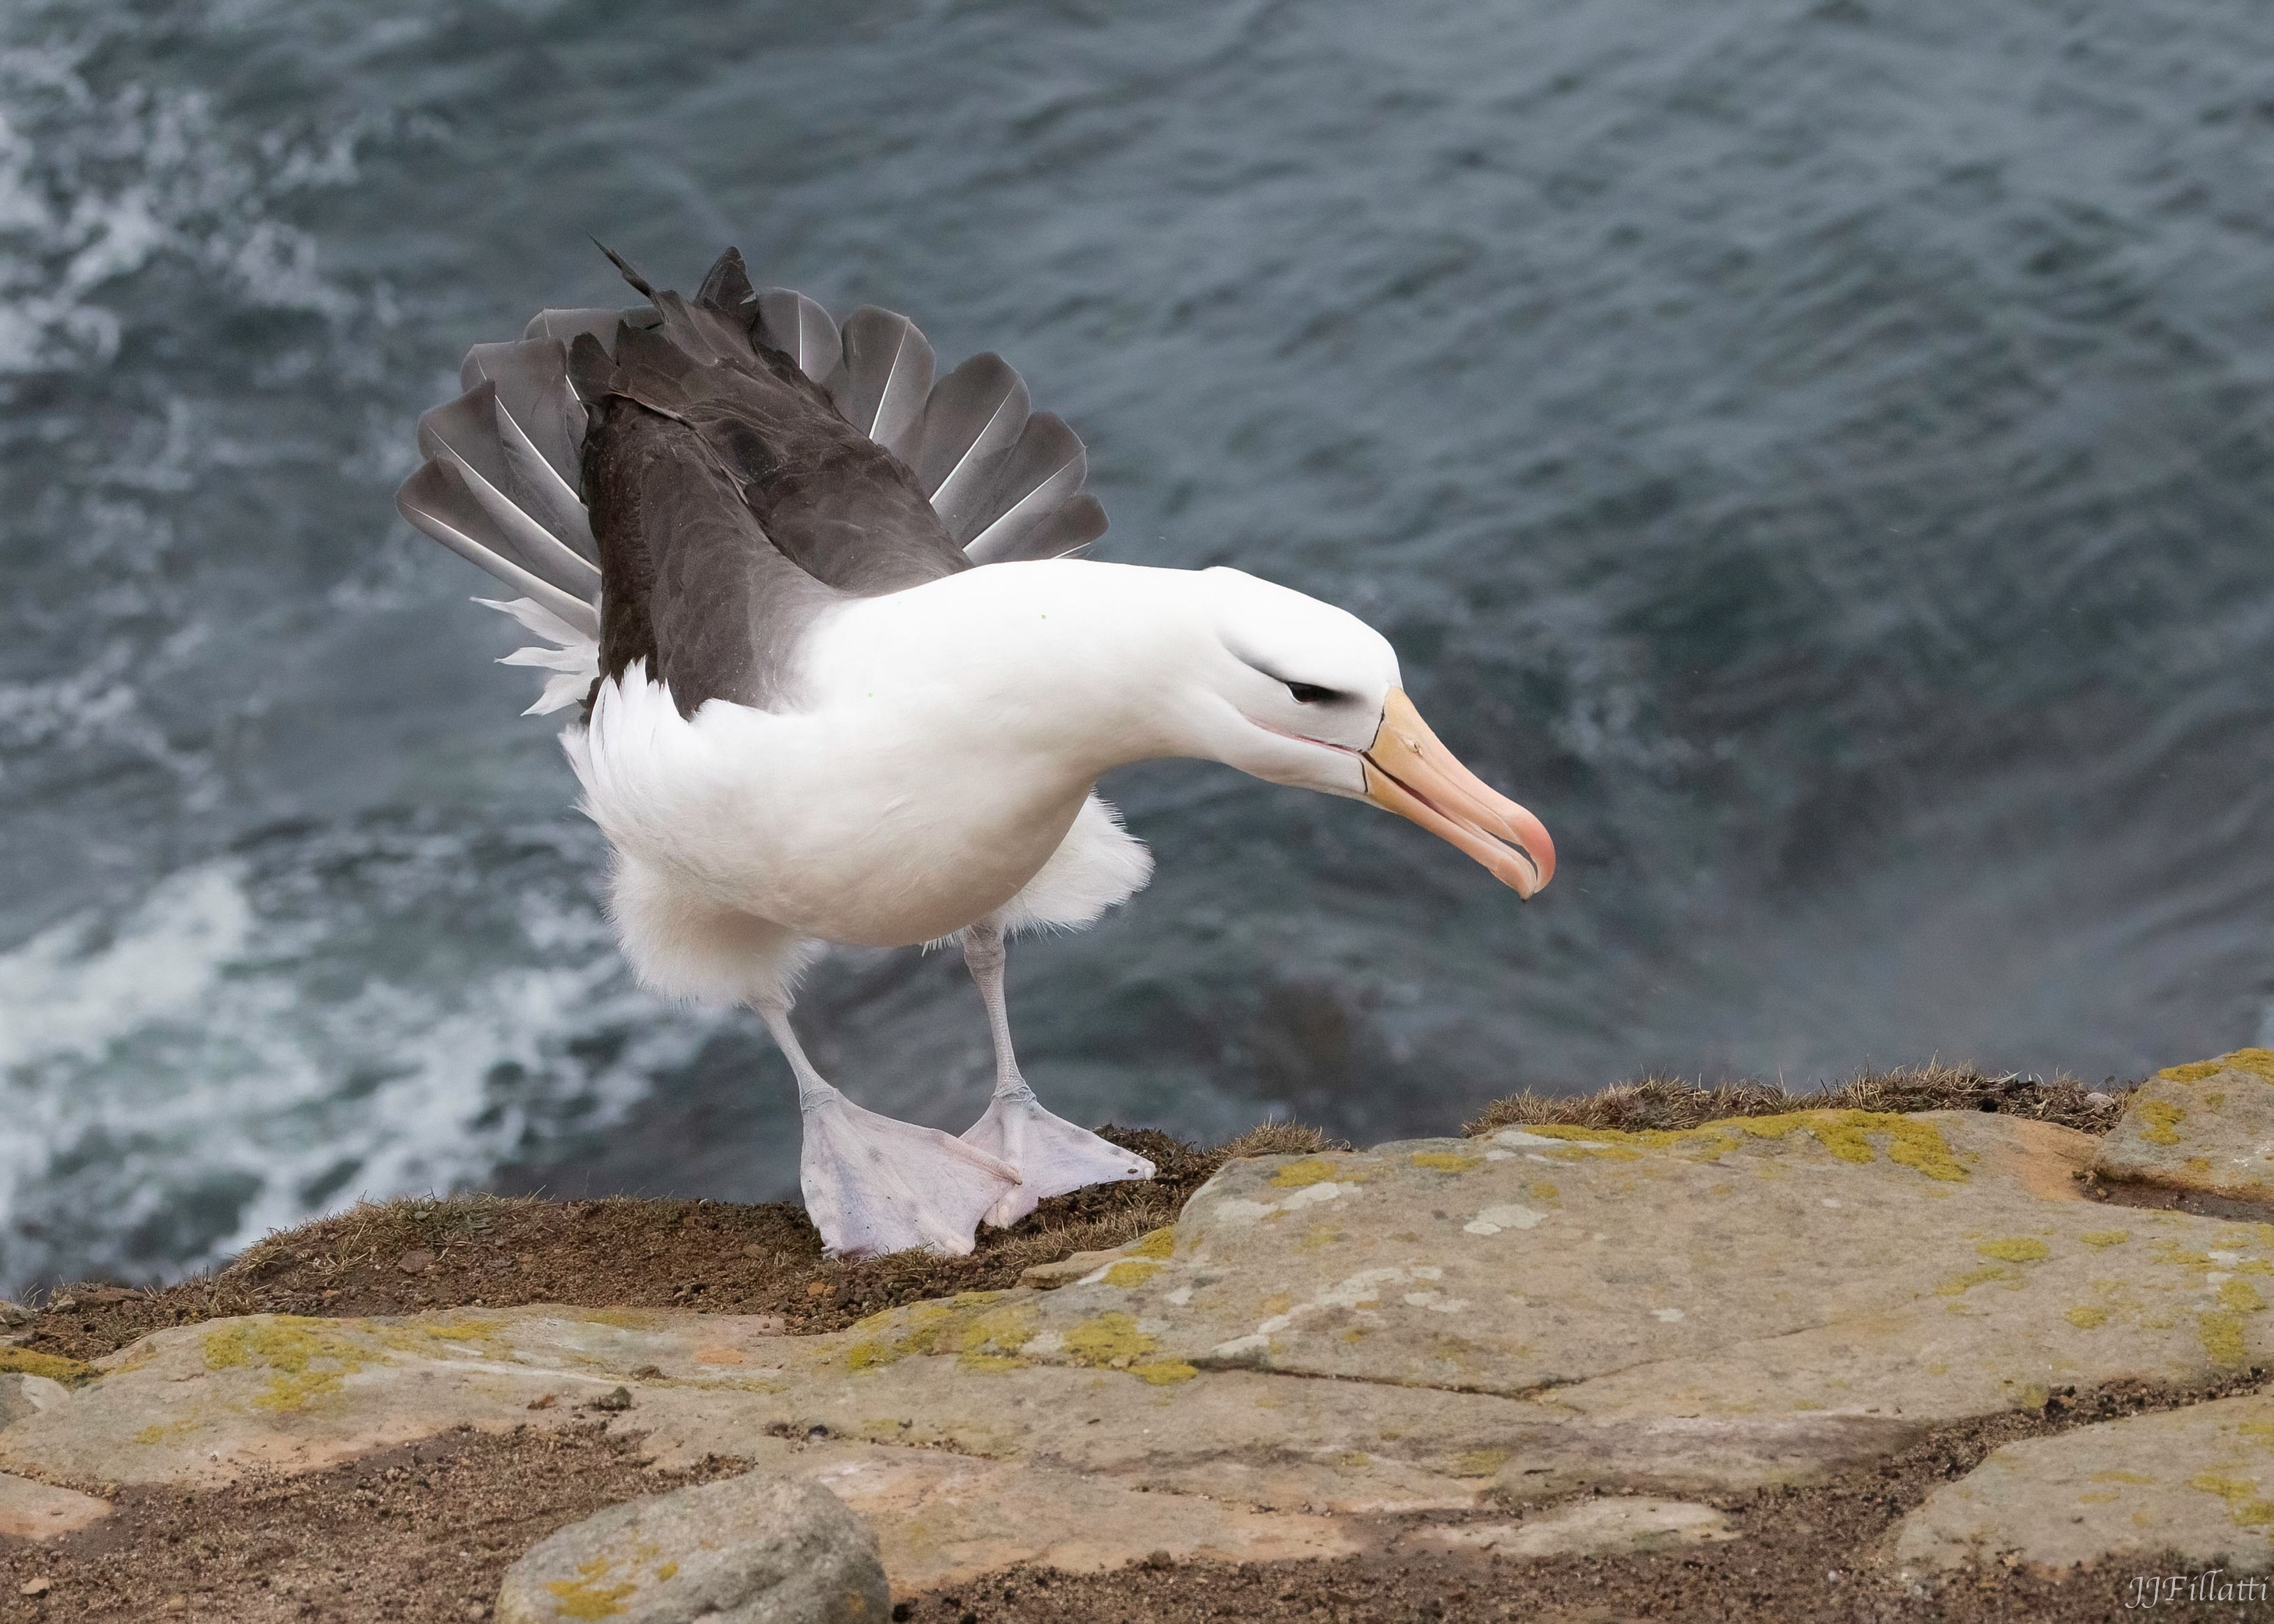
[{"x": 1816, "y": 455}]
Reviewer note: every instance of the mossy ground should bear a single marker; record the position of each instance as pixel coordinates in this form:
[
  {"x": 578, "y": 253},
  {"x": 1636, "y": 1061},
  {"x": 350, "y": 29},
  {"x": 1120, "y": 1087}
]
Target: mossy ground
[{"x": 486, "y": 1251}]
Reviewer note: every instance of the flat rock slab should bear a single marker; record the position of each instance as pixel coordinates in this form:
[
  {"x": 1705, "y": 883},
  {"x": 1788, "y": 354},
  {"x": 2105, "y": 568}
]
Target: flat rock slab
[
  {"x": 30, "y": 1510},
  {"x": 750, "y": 1550},
  {"x": 2199, "y": 1481},
  {"x": 1502, "y": 1321},
  {"x": 1747, "y": 1302},
  {"x": 2204, "y": 1129},
  {"x": 1595, "y": 1527}
]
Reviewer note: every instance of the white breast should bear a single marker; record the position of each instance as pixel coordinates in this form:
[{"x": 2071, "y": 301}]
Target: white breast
[{"x": 853, "y": 822}]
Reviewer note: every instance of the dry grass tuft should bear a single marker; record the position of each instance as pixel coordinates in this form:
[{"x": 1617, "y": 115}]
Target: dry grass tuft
[{"x": 1673, "y": 1103}]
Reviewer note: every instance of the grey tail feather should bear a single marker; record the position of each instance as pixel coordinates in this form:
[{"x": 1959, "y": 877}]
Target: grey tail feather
[{"x": 622, "y": 265}]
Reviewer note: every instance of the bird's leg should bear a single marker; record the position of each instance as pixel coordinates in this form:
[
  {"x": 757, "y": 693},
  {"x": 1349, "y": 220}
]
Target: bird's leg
[
  {"x": 1051, "y": 1154},
  {"x": 873, "y": 1184}
]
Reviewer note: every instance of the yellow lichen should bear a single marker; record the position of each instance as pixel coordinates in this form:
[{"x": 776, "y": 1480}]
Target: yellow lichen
[
  {"x": 167, "y": 1431},
  {"x": 1480, "y": 1462},
  {"x": 1131, "y": 1272},
  {"x": 669, "y": 1570},
  {"x": 2017, "y": 1249},
  {"x": 54, "y": 1366},
  {"x": 1959, "y": 1285},
  {"x": 1163, "y": 1372},
  {"x": 2161, "y": 1119},
  {"x": 308, "y": 1358},
  {"x": 2258, "y": 1062},
  {"x": 2221, "y": 1330},
  {"x": 1106, "y": 1338},
  {"x": 1847, "y": 1135},
  {"x": 1541, "y": 1190},
  {"x": 2105, "y": 1237},
  {"x": 2108, "y": 1498},
  {"x": 1446, "y": 1161},
  {"x": 2122, "y": 1477},
  {"x": 425, "y": 1338},
  {"x": 583, "y": 1597},
  {"x": 2087, "y": 1316},
  {"x": 1161, "y": 1243},
  {"x": 2241, "y": 1296},
  {"x": 1309, "y": 1171},
  {"x": 2244, "y": 1503},
  {"x": 1113, "y": 1342},
  {"x": 969, "y": 1322},
  {"x": 2263, "y": 1431}
]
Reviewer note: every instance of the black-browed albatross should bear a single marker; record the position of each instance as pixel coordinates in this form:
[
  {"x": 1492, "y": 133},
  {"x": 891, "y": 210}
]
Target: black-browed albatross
[{"x": 752, "y": 540}]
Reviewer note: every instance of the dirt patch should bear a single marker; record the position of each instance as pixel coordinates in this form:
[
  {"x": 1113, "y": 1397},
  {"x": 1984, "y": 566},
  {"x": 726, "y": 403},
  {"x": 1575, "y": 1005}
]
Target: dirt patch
[
  {"x": 422, "y": 1533},
  {"x": 721, "y": 1256}
]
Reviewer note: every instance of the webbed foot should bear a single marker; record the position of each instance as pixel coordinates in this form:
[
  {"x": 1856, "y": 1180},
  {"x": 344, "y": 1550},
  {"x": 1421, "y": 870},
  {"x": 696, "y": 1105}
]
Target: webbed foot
[
  {"x": 873, "y": 1184},
  {"x": 1050, "y": 1154}
]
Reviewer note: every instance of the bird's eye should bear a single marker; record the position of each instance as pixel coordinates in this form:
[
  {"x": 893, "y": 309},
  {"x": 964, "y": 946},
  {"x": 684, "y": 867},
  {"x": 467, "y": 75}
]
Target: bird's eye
[{"x": 1311, "y": 693}]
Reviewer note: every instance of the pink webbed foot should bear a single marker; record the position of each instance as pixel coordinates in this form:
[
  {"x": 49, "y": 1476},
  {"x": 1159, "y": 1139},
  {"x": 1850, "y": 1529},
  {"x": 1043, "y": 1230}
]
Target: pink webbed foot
[
  {"x": 873, "y": 1184},
  {"x": 1050, "y": 1154}
]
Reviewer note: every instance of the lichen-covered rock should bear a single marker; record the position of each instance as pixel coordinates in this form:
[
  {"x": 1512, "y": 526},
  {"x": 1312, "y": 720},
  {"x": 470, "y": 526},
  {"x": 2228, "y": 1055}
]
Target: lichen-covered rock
[
  {"x": 1824, "y": 1279},
  {"x": 1512, "y": 1318},
  {"x": 2198, "y": 1481},
  {"x": 2205, "y": 1128},
  {"x": 750, "y": 1550}
]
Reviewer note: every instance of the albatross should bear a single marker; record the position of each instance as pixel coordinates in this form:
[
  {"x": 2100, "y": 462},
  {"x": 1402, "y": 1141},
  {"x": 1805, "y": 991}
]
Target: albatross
[{"x": 838, "y": 678}]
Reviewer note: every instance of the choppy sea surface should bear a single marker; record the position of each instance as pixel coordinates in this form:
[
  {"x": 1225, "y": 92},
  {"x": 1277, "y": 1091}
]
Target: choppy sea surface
[{"x": 1816, "y": 455}]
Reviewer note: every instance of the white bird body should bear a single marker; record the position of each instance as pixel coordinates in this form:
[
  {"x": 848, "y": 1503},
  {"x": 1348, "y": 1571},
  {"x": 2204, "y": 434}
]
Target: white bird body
[
  {"x": 944, "y": 744},
  {"x": 810, "y": 719}
]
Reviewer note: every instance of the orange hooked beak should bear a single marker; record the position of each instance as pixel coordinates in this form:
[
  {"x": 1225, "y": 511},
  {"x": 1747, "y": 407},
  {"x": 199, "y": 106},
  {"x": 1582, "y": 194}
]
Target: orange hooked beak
[{"x": 1409, "y": 771}]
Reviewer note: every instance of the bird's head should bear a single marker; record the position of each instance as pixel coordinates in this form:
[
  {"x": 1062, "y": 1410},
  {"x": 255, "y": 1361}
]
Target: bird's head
[
  {"x": 1089, "y": 665},
  {"x": 1298, "y": 692}
]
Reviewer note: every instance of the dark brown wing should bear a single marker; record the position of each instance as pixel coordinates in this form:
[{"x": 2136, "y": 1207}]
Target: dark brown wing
[
  {"x": 690, "y": 581},
  {"x": 718, "y": 440}
]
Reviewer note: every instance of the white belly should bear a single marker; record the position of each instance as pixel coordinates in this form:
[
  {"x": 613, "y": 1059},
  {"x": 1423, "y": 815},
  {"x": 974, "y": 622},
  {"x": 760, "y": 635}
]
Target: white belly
[{"x": 831, "y": 823}]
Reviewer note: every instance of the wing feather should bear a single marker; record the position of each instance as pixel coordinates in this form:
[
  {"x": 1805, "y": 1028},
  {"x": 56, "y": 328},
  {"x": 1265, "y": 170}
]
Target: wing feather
[
  {"x": 439, "y": 507},
  {"x": 885, "y": 378},
  {"x": 974, "y": 418},
  {"x": 1043, "y": 472},
  {"x": 802, "y": 330},
  {"x": 464, "y": 434}
]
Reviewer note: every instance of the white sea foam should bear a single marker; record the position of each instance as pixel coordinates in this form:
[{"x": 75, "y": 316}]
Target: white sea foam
[
  {"x": 93, "y": 186},
  {"x": 181, "y": 1049}
]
